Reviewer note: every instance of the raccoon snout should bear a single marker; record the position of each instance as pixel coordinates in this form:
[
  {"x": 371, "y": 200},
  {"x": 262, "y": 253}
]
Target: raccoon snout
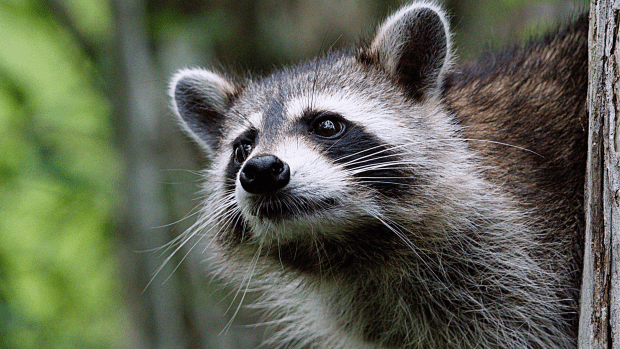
[{"x": 264, "y": 174}]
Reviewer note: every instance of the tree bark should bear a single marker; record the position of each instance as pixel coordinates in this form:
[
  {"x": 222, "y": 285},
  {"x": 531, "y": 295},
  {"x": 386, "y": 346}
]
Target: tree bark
[{"x": 599, "y": 325}]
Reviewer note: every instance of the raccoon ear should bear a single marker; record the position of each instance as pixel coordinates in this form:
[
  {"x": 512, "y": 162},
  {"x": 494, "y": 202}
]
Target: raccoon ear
[
  {"x": 200, "y": 98},
  {"x": 414, "y": 47}
]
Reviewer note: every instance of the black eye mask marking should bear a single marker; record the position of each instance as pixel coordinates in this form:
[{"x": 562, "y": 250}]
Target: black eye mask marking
[
  {"x": 241, "y": 149},
  {"x": 359, "y": 151},
  {"x": 372, "y": 161}
]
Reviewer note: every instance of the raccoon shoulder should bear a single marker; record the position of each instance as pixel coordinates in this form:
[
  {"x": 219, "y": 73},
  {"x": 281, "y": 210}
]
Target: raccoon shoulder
[{"x": 523, "y": 110}]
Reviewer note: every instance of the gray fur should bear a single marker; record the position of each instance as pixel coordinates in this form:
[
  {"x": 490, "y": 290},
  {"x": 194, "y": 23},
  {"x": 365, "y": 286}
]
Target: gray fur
[{"x": 451, "y": 260}]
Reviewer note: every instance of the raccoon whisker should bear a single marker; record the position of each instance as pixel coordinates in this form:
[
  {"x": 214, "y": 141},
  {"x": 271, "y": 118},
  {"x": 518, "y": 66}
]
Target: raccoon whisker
[
  {"x": 197, "y": 229},
  {"x": 294, "y": 205},
  {"x": 224, "y": 216},
  {"x": 229, "y": 219},
  {"x": 391, "y": 160},
  {"x": 314, "y": 80},
  {"x": 372, "y": 158},
  {"x": 398, "y": 233},
  {"x": 255, "y": 206},
  {"x": 248, "y": 277},
  {"x": 382, "y": 165},
  {"x": 200, "y": 229},
  {"x": 382, "y": 148},
  {"x": 221, "y": 219},
  {"x": 225, "y": 208},
  {"x": 196, "y": 173},
  {"x": 291, "y": 204},
  {"x": 165, "y": 262},
  {"x": 202, "y": 236},
  {"x": 193, "y": 212},
  {"x": 221, "y": 205},
  {"x": 235, "y": 218},
  {"x": 318, "y": 253},
  {"x": 402, "y": 168},
  {"x": 279, "y": 321},
  {"x": 282, "y": 205},
  {"x": 504, "y": 144},
  {"x": 244, "y": 227},
  {"x": 178, "y": 244},
  {"x": 279, "y": 252},
  {"x": 474, "y": 140},
  {"x": 315, "y": 76},
  {"x": 369, "y": 161},
  {"x": 301, "y": 206},
  {"x": 410, "y": 185},
  {"x": 417, "y": 251},
  {"x": 163, "y": 249}
]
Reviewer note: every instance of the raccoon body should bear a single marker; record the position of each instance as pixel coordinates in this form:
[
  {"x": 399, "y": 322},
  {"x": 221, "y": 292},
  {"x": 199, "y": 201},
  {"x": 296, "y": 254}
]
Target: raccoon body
[{"x": 384, "y": 198}]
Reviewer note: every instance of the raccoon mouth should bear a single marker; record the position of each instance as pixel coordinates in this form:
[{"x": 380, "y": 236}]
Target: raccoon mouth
[{"x": 277, "y": 208}]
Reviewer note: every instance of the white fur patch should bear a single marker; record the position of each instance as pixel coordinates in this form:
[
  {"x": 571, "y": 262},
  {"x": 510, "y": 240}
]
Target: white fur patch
[
  {"x": 255, "y": 119},
  {"x": 355, "y": 108}
]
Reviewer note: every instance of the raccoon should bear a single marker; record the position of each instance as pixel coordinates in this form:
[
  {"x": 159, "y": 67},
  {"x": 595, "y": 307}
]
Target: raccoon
[{"x": 385, "y": 197}]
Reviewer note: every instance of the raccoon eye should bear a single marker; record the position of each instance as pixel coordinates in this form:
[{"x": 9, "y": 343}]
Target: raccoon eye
[
  {"x": 328, "y": 127},
  {"x": 241, "y": 152}
]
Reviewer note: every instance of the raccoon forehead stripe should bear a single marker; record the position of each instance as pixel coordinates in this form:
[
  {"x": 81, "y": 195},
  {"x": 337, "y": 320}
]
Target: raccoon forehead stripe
[
  {"x": 354, "y": 108},
  {"x": 252, "y": 121},
  {"x": 255, "y": 119}
]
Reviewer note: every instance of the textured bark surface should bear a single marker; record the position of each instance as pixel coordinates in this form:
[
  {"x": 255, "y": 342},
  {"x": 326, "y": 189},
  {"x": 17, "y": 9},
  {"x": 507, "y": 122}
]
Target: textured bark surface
[{"x": 600, "y": 298}]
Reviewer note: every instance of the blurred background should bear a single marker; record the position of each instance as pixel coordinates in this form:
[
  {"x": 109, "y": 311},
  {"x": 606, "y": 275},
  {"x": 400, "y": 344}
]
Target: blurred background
[{"x": 95, "y": 178}]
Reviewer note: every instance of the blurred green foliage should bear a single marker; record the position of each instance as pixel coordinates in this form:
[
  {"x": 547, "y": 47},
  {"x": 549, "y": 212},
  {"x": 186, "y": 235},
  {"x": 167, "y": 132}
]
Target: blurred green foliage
[{"x": 59, "y": 174}]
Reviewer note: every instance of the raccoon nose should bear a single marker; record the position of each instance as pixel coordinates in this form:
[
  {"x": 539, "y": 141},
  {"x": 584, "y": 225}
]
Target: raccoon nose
[{"x": 264, "y": 174}]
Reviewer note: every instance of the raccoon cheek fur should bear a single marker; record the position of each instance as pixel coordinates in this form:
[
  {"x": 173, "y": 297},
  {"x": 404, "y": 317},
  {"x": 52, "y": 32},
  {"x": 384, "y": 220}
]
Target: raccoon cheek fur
[{"x": 385, "y": 197}]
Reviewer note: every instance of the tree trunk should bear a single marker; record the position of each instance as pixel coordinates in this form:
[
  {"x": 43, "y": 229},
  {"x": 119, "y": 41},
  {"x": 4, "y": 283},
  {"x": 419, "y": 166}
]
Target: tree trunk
[
  {"x": 156, "y": 311},
  {"x": 599, "y": 325}
]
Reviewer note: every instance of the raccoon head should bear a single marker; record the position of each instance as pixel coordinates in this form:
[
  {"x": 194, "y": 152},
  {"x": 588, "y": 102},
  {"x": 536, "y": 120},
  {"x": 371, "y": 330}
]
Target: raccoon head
[{"x": 328, "y": 148}]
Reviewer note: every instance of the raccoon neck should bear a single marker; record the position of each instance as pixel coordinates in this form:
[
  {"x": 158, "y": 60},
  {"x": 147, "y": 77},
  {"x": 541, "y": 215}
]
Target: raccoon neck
[{"x": 481, "y": 284}]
